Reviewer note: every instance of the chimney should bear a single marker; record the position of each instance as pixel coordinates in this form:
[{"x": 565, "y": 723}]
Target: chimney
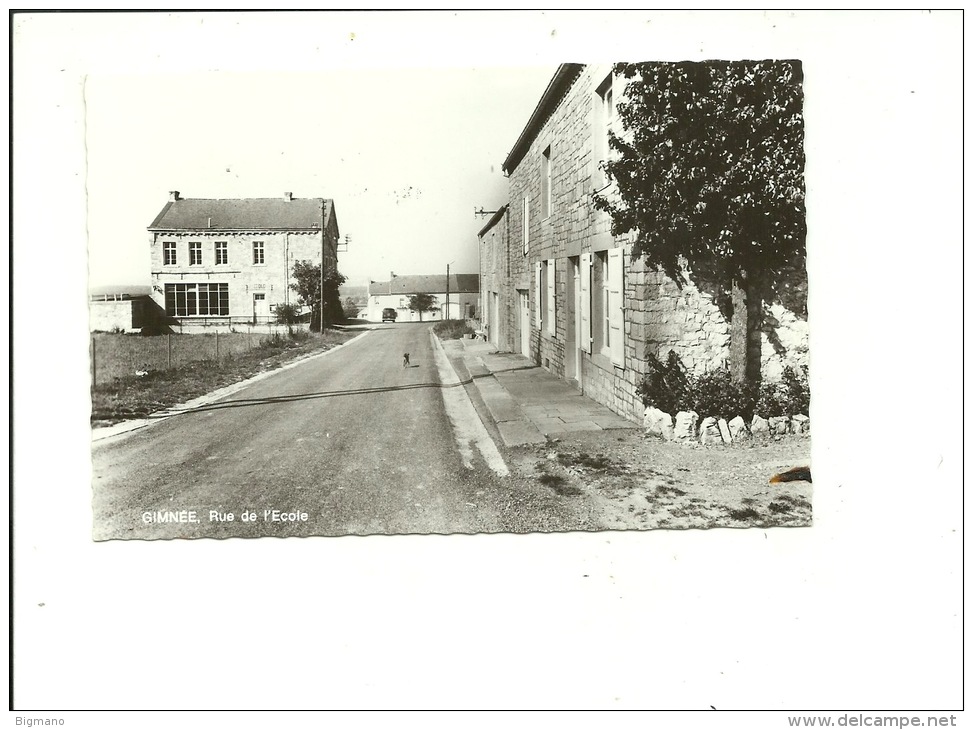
[
  {"x": 174, "y": 195},
  {"x": 288, "y": 196}
]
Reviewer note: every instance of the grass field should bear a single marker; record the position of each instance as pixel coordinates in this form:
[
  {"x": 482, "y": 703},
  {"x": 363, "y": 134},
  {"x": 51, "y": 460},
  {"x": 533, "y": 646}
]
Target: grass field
[
  {"x": 127, "y": 396},
  {"x": 120, "y": 355}
]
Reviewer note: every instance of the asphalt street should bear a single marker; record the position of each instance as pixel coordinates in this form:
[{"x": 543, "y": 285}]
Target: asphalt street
[{"x": 350, "y": 443}]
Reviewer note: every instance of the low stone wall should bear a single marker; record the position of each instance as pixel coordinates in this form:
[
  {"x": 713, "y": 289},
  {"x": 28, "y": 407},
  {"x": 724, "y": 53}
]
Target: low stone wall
[{"x": 687, "y": 427}]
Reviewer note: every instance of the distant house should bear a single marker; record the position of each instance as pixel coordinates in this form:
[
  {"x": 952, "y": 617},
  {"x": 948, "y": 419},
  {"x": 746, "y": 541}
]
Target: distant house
[
  {"x": 463, "y": 295},
  {"x": 121, "y": 308},
  {"x": 230, "y": 262}
]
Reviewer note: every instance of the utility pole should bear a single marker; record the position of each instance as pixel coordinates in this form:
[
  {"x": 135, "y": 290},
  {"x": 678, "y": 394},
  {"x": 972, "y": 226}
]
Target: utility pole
[{"x": 447, "y": 291}]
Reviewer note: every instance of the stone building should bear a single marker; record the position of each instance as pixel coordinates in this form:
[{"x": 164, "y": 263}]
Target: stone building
[
  {"x": 558, "y": 287},
  {"x": 462, "y": 293},
  {"x": 230, "y": 262}
]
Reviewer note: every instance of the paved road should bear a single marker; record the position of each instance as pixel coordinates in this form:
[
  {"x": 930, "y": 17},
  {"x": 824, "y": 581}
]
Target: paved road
[{"x": 353, "y": 440}]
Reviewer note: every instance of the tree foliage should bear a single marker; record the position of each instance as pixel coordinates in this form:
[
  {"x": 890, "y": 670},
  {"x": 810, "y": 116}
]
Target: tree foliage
[
  {"x": 710, "y": 169},
  {"x": 423, "y": 303},
  {"x": 308, "y": 287}
]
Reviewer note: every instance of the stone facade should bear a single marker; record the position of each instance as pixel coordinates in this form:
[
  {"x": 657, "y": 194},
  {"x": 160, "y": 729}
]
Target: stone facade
[
  {"x": 254, "y": 287},
  {"x": 550, "y": 228}
]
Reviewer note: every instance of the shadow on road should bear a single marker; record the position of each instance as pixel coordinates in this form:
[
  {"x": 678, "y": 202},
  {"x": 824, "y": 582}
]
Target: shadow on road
[{"x": 307, "y": 396}]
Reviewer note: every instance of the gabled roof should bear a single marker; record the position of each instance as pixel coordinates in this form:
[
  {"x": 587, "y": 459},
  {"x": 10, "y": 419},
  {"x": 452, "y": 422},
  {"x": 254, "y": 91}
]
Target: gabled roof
[
  {"x": 244, "y": 214},
  {"x": 427, "y": 284},
  {"x": 555, "y": 91}
]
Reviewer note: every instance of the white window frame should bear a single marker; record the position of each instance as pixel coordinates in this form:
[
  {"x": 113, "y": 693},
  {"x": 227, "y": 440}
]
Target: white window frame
[
  {"x": 195, "y": 253},
  {"x": 259, "y": 252},
  {"x": 169, "y": 255},
  {"x": 221, "y": 247}
]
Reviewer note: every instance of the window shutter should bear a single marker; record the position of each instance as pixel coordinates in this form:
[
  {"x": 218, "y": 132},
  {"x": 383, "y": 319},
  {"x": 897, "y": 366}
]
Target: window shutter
[
  {"x": 585, "y": 286},
  {"x": 551, "y": 320},
  {"x": 526, "y": 225},
  {"x": 538, "y": 293},
  {"x": 616, "y": 310}
]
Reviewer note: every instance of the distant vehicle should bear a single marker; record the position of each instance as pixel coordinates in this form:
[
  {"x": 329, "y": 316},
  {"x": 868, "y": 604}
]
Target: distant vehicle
[{"x": 389, "y": 315}]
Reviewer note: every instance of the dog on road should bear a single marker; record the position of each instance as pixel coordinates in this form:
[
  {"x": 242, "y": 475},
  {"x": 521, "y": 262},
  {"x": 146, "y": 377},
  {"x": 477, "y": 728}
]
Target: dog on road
[{"x": 405, "y": 360}]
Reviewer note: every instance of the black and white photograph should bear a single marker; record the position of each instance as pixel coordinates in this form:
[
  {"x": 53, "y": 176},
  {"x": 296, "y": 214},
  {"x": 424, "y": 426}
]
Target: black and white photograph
[
  {"x": 531, "y": 324},
  {"x": 616, "y": 337}
]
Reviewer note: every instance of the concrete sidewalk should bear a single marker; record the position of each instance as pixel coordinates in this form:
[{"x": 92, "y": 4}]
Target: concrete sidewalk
[{"x": 526, "y": 402}]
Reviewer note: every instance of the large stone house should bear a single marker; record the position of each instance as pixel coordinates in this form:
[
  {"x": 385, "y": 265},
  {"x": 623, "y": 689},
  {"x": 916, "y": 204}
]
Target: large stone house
[
  {"x": 558, "y": 287},
  {"x": 461, "y": 292},
  {"x": 230, "y": 262}
]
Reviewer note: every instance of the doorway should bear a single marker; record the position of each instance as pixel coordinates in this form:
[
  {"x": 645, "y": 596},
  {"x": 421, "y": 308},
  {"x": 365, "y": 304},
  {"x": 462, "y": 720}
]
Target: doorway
[{"x": 260, "y": 311}]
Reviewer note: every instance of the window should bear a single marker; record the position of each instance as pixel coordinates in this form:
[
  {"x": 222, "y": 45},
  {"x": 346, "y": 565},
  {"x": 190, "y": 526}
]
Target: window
[
  {"x": 606, "y": 118},
  {"x": 526, "y": 225},
  {"x": 550, "y": 306},
  {"x": 538, "y": 294},
  {"x": 169, "y": 253},
  {"x": 546, "y": 183},
  {"x": 197, "y": 300},
  {"x": 584, "y": 284},
  {"x": 615, "y": 303},
  {"x": 195, "y": 253},
  {"x": 603, "y": 305},
  {"x": 258, "y": 252},
  {"x": 599, "y": 303},
  {"x": 221, "y": 255}
]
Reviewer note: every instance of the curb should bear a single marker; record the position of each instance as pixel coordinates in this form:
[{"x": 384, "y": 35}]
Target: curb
[
  {"x": 512, "y": 424},
  {"x": 106, "y": 432}
]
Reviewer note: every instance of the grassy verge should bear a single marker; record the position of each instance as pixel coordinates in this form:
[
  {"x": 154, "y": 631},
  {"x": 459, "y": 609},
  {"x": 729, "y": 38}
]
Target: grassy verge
[
  {"x": 452, "y": 329},
  {"x": 131, "y": 397}
]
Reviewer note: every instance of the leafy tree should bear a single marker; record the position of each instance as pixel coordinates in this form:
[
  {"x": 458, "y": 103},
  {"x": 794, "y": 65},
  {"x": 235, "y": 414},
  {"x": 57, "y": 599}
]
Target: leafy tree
[
  {"x": 308, "y": 288},
  {"x": 710, "y": 175},
  {"x": 349, "y": 308},
  {"x": 423, "y": 303}
]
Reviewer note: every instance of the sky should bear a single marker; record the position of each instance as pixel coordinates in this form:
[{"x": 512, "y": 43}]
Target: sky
[{"x": 407, "y": 155}]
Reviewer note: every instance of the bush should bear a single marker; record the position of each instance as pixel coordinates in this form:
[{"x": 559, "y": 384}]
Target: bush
[
  {"x": 452, "y": 329},
  {"x": 670, "y": 388},
  {"x": 716, "y": 394},
  {"x": 666, "y": 386},
  {"x": 288, "y": 314},
  {"x": 787, "y": 397}
]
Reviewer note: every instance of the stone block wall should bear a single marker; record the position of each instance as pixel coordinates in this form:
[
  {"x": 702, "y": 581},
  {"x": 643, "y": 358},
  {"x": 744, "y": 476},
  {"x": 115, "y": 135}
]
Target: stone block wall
[
  {"x": 659, "y": 315},
  {"x": 281, "y": 251}
]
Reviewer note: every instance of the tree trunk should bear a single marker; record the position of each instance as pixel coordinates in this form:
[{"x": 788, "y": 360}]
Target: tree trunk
[{"x": 745, "y": 330}]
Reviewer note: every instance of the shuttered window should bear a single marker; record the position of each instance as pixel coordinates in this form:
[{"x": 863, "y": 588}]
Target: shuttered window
[
  {"x": 538, "y": 293},
  {"x": 526, "y": 226},
  {"x": 549, "y": 311},
  {"x": 616, "y": 306},
  {"x": 585, "y": 286}
]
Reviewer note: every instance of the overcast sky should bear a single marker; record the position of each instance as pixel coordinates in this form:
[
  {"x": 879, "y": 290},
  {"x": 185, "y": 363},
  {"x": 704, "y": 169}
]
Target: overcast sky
[{"x": 406, "y": 154}]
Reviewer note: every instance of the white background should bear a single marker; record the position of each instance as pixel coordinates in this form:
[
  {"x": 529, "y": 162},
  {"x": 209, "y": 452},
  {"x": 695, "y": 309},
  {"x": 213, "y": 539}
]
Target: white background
[{"x": 860, "y": 612}]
